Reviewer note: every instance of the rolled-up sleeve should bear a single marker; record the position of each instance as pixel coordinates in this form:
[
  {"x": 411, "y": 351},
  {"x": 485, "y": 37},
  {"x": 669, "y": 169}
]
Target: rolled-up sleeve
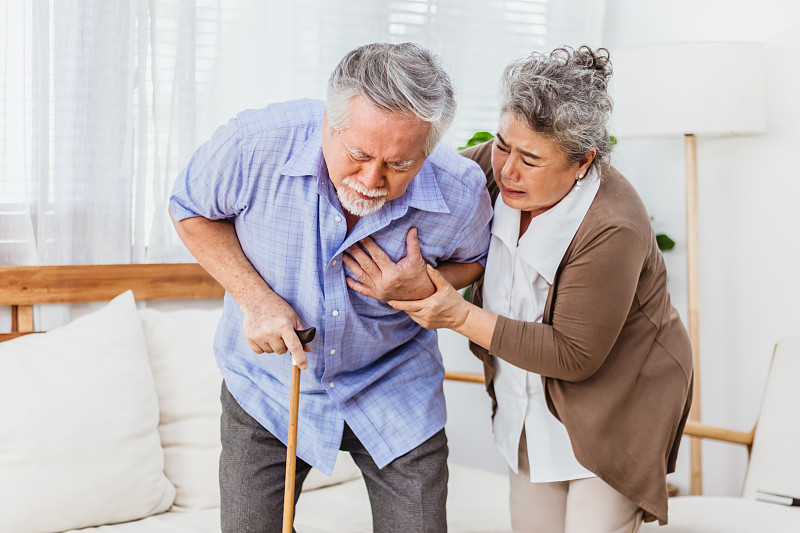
[{"x": 213, "y": 183}]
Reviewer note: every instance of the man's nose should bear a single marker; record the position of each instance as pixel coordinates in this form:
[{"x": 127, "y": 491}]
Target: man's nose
[{"x": 371, "y": 175}]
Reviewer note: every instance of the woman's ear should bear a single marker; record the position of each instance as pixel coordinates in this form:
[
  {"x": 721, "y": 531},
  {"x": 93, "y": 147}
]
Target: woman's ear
[{"x": 586, "y": 161}]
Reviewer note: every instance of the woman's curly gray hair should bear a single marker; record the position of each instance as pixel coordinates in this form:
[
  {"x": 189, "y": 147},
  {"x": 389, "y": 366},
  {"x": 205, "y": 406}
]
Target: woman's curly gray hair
[
  {"x": 400, "y": 78},
  {"x": 563, "y": 96}
]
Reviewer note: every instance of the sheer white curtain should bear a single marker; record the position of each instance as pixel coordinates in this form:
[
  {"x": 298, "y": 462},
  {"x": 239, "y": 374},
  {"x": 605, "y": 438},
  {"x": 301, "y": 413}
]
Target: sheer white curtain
[
  {"x": 66, "y": 143},
  {"x": 102, "y": 102}
]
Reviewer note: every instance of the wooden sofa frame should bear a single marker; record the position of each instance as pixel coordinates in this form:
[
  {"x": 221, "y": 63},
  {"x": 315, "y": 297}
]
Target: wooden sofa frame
[{"x": 22, "y": 287}]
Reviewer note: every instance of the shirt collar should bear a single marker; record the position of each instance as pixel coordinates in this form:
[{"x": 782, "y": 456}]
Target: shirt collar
[
  {"x": 308, "y": 160},
  {"x": 544, "y": 243},
  {"x": 423, "y": 192}
]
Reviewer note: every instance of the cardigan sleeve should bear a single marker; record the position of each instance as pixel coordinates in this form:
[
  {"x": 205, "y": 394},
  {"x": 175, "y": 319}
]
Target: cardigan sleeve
[{"x": 593, "y": 296}]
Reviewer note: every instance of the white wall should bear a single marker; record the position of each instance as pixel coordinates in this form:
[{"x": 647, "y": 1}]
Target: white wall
[{"x": 749, "y": 216}]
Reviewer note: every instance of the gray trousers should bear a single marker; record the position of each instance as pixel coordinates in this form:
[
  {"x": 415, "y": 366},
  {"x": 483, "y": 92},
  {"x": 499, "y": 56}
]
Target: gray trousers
[{"x": 408, "y": 495}]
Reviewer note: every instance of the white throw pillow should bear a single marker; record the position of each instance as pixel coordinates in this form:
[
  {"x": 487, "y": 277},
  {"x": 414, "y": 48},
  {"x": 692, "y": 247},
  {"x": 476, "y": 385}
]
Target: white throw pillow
[
  {"x": 79, "y": 415},
  {"x": 180, "y": 346}
]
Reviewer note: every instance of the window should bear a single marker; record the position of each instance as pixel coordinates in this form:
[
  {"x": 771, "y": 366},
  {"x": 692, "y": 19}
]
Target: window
[{"x": 102, "y": 103}]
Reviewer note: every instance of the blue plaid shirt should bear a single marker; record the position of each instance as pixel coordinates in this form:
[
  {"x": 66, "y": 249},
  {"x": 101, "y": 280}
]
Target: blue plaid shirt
[{"x": 370, "y": 366}]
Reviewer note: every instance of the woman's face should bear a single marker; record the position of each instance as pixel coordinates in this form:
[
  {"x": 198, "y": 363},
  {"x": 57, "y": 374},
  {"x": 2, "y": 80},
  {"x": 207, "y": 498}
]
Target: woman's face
[{"x": 531, "y": 170}]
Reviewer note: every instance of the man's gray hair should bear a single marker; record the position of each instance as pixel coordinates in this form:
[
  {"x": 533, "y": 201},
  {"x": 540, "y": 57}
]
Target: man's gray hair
[
  {"x": 400, "y": 78},
  {"x": 563, "y": 96}
]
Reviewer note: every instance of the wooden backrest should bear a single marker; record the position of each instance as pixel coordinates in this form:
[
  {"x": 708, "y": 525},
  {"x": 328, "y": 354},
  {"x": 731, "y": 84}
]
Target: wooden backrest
[{"x": 22, "y": 287}]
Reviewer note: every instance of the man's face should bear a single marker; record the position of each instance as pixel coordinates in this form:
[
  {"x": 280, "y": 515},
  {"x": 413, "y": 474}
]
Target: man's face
[{"x": 374, "y": 158}]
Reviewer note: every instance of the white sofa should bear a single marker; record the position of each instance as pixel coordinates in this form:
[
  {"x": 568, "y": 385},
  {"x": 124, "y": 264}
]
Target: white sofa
[{"x": 111, "y": 423}]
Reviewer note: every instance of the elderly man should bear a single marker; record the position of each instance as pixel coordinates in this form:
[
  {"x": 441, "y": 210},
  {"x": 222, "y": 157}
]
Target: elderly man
[{"x": 272, "y": 206}]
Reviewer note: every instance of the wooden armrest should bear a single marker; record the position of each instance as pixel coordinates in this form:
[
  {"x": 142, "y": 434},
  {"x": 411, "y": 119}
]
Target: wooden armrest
[
  {"x": 692, "y": 429},
  {"x": 469, "y": 377},
  {"x": 703, "y": 431}
]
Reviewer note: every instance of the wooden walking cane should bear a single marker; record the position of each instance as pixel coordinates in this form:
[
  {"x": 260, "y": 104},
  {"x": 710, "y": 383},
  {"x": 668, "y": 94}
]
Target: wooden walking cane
[{"x": 305, "y": 336}]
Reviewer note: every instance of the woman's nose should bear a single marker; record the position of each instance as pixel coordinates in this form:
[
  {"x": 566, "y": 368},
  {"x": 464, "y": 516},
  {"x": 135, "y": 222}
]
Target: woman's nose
[{"x": 509, "y": 170}]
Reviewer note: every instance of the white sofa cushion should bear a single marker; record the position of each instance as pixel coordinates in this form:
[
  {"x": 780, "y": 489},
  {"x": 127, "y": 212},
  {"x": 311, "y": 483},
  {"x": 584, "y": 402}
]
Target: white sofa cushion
[
  {"x": 180, "y": 346},
  {"x": 721, "y": 514},
  {"x": 80, "y": 444},
  {"x": 196, "y": 521},
  {"x": 477, "y": 502}
]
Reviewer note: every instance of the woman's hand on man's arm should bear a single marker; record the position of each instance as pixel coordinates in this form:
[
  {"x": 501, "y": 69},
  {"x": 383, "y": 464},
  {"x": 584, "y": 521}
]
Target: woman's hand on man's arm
[{"x": 446, "y": 308}]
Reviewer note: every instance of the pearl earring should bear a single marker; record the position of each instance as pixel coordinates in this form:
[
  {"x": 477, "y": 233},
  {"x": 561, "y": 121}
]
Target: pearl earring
[{"x": 578, "y": 182}]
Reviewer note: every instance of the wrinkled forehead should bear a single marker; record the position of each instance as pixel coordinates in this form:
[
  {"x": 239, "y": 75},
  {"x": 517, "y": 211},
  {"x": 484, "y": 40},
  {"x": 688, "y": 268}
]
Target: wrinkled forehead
[{"x": 380, "y": 133}]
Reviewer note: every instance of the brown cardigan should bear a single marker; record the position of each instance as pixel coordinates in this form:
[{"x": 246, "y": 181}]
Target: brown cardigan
[{"x": 614, "y": 357}]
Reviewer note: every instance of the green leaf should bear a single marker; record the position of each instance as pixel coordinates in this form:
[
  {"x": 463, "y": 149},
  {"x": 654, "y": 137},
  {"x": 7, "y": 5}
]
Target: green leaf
[
  {"x": 478, "y": 138},
  {"x": 467, "y": 293},
  {"x": 665, "y": 244},
  {"x": 613, "y": 140}
]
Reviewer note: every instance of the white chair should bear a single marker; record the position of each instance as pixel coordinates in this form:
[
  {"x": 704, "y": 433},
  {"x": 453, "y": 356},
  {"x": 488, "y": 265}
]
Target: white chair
[{"x": 774, "y": 463}]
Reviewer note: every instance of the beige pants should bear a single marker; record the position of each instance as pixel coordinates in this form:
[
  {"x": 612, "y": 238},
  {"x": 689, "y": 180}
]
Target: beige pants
[{"x": 579, "y": 506}]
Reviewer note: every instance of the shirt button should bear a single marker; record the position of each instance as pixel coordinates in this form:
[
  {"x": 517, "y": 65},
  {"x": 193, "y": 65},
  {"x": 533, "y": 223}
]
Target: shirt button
[
  {"x": 331, "y": 384},
  {"x": 333, "y": 352},
  {"x": 338, "y": 218},
  {"x": 333, "y": 263},
  {"x": 335, "y": 313}
]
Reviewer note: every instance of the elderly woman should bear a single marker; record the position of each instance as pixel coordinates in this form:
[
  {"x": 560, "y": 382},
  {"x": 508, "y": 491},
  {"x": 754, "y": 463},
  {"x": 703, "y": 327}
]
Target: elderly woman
[{"x": 587, "y": 363}]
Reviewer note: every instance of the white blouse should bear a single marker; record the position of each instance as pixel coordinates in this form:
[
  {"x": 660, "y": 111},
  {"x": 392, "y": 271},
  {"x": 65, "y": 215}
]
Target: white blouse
[{"x": 517, "y": 280}]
